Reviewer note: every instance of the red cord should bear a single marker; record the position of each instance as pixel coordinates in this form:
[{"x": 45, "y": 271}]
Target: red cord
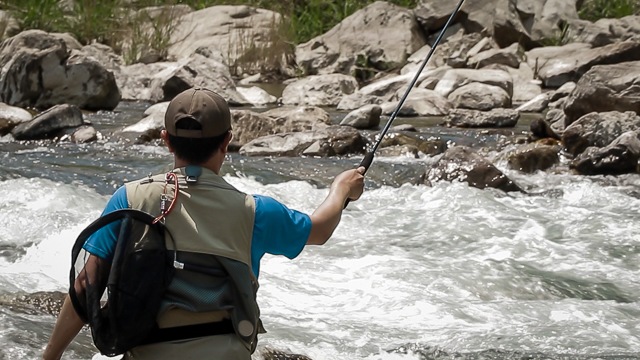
[{"x": 175, "y": 196}]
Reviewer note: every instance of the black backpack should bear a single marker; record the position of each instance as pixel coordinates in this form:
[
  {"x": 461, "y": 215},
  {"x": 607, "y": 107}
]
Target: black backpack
[{"x": 121, "y": 298}]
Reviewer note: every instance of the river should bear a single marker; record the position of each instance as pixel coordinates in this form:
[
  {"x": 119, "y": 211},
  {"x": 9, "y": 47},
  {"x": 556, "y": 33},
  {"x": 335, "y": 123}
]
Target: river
[{"x": 412, "y": 272}]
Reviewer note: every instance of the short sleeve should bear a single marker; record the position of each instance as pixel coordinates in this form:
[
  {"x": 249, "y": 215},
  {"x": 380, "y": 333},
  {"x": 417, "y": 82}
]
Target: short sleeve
[
  {"x": 103, "y": 242},
  {"x": 277, "y": 230}
]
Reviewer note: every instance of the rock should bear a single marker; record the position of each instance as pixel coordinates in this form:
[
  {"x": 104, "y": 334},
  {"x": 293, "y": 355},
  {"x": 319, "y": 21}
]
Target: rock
[
  {"x": 377, "y": 37},
  {"x": 558, "y": 65},
  {"x": 461, "y": 163},
  {"x": 605, "y": 88},
  {"x": 319, "y": 90},
  {"x": 40, "y": 71},
  {"x": 84, "y": 134},
  {"x": 495, "y": 118},
  {"x": 367, "y": 117},
  {"x": 419, "y": 102},
  {"x": 478, "y": 96},
  {"x": 535, "y": 105},
  {"x": 249, "y": 125},
  {"x": 605, "y": 31},
  {"x": 233, "y": 35},
  {"x": 50, "y": 123},
  {"x": 619, "y": 157},
  {"x": 10, "y": 116},
  {"x": 429, "y": 146},
  {"x": 510, "y": 56},
  {"x": 598, "y": 129},
  {"x": 533, "y": 157},
  {"x": 334, "y": 140},
  {"x": 257, "y": 96},
  {"x": 195, "y": 71},
  {"x": 455, "y": 78}
]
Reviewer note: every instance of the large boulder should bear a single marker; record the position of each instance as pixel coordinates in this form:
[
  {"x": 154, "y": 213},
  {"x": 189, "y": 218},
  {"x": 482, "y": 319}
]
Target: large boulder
[
  {"x": 561, "y": 64},
  {"x": 380, "y": 36},
  {"x": 10, "y": 116},
  {"x": 605, "y": 31},
  {"x": 38, "y": 70},
  {"x": 164, "y": 80},
  {"x": 605, "y": 88},
  {"x": 234, "y": 34},
  {"x": 529, "y": 22},
  {"x": 598, "y": 129}
]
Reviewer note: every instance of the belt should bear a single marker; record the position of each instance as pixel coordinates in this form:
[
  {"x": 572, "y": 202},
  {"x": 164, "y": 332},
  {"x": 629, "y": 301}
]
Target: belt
[{"x": 159, "y": 335}]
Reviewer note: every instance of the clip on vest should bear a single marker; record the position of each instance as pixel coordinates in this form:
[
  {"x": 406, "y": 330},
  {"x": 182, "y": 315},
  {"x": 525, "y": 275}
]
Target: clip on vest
[{"x": 192, "y": 173}]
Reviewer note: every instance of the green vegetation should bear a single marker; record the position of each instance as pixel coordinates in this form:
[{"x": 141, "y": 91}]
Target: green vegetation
[{"x": 597, "y": 9}]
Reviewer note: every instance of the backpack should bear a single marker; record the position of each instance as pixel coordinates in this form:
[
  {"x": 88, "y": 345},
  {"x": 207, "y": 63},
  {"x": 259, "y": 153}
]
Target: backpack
[{"x": 121, "y": 298}]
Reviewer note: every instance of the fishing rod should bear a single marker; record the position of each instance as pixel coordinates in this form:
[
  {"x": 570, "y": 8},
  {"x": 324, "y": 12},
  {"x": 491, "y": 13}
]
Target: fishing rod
[{"x": 368, "y": 158}]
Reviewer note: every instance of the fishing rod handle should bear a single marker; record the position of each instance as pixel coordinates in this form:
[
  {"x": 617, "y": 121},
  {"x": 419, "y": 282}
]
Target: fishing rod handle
[{"x": 366, "y": 163}]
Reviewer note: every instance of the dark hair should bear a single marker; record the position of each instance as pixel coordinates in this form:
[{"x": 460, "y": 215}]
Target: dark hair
[{"x": 194, "y": 150}]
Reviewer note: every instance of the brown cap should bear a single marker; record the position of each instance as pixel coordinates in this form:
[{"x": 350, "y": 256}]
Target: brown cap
[{"x": 203, "y": 106}]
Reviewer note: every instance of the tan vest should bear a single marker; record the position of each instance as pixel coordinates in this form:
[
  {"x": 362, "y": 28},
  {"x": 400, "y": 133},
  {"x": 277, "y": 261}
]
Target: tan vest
[{"x": 211, "y": 222}]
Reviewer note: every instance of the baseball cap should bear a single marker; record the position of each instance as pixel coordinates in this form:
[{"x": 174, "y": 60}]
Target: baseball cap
[{"x": 203, "y": 106}]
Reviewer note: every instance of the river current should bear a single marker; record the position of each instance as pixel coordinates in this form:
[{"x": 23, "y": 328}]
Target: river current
[{"x": 412, "y": 272}]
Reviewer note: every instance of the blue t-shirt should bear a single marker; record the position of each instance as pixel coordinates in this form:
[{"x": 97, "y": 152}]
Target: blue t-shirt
[{"x": 277, "y": 230}]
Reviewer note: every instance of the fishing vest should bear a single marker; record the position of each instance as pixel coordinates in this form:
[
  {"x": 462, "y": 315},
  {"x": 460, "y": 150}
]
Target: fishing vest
[{"x": 211, "y": 224}]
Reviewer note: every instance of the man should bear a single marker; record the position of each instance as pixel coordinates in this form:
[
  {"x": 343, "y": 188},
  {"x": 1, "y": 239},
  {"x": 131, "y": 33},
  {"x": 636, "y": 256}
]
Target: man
[{"x": 211, "y": 222}]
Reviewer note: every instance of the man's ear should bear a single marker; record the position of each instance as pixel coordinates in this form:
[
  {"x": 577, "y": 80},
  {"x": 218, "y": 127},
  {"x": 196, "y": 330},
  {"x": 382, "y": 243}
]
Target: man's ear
[{"x": 164, "y": 135}]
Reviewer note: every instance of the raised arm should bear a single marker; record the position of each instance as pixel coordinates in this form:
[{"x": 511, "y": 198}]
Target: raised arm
[{"x": 347, "y": 185}]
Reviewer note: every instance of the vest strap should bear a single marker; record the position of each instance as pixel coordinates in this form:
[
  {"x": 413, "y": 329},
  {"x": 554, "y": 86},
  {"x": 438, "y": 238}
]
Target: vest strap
[{"x": 189, "y": 332}]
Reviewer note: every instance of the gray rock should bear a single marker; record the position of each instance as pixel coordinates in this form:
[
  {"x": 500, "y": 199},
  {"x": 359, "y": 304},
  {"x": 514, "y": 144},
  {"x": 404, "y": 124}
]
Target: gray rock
[
  {"x": 50, "y": 123},
  {"x": 40, "y": 71},
  {"x": 619, "y": 157},
  {"x": 478, "y": 96},
  {"x": 367, "y": 117},
  {"x": 319, "y": 90},
  {"x": 605, "y": 88},
  {"x": 598, "y": 129},
  {"x": 377, "y": 37}
]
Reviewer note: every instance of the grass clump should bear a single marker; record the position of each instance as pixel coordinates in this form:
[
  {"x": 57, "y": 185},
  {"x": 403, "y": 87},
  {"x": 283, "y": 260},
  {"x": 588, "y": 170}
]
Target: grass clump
[{"x": 594, "y": 10}]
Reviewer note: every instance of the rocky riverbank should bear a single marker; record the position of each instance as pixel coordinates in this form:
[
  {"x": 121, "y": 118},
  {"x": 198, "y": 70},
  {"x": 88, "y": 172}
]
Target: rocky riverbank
[{"x": 492, "y": 67}]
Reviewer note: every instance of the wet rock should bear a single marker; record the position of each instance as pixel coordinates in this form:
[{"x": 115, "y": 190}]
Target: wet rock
[
  {"x": 50, "y": 123},
  {"x": 605, "y": 88},
  {"x": 541, "y": 129},
  {"x": 495, "y": 118},
  {"x": 38, "y": 303},
  {"x": 619, "y": 157},
  {"x": 84, "y": 134},
  {"x": 530, "y": 158},
  {"x": 429, "y": 146},
  {"x": 274, "y": 354},
  {"x": 461, "y": 163}
]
